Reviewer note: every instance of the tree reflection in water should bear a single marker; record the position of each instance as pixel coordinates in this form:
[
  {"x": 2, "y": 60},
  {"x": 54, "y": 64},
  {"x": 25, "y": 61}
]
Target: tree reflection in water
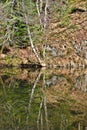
[{"x": 43, "y": 100}]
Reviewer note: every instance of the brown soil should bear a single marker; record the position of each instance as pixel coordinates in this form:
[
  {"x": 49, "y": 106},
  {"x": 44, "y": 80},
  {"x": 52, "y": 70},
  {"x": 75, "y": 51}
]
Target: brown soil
[{"x": 66, "y": 40}]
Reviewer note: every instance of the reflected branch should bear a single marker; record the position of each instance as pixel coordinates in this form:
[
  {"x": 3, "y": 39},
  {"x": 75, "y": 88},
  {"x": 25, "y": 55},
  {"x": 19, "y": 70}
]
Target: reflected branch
[
  {"x": 79, "y": 126},
  {"x": 45, "y": 101},
  {"x": 41, "y": 121},
  {"x": 41, "y": 104},
  {"x": 46, "y": 113},
  {"x": 32, "y": 92}
]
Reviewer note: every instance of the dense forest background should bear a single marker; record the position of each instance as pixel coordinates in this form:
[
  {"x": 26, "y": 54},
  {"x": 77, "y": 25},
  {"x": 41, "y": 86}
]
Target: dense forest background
[{"x": 46, "y": 32}]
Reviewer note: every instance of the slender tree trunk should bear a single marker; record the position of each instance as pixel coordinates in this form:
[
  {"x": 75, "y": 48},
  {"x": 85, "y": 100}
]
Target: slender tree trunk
[
  {"x": 45, "y": 27},
  {"x": 29, "y": 35},
  {"x": 46, "y": 14},
  {"x": 41, "y": 5},
  {"x": 39, "y": 10}
]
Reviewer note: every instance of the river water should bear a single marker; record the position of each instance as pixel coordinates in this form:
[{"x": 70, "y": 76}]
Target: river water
[{"x": 43, "y": 99}]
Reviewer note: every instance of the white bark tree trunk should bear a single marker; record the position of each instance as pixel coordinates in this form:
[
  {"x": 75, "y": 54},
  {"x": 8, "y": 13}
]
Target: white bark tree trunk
[
  {"x": 29, "y": 35},
  {"x": 41, "y": 5},
  {"x": 46, "y": 14},
  {"x": 45, "y": 26},
  {"x": 38, "y": 11}
]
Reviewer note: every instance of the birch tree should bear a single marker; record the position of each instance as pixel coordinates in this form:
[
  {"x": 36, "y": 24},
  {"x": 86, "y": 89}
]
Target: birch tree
[
  {"x": 45, "y": 26},
  {"x": 39, "y": 10},
  {"x": 46, "y": 14},
  {"x": 29, "y": 35}
]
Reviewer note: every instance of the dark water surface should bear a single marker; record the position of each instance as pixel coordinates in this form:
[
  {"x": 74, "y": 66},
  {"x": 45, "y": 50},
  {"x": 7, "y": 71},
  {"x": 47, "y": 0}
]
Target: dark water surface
[{"x": 46, "y": 99}]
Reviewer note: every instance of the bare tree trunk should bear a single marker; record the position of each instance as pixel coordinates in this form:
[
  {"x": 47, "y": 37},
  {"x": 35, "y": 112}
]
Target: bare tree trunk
[
  {"x": 29, "y": 35},
  {"x": 46, "y": 14},
  {"x": 39, "y": 10},
  {"x": 45, "y": 27},
  {"x": 41, "y": 5}
]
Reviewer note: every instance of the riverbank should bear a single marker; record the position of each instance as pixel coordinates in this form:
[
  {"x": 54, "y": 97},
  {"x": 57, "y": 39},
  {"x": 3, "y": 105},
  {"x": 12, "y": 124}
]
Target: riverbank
[{"x": 65, "y": 40}]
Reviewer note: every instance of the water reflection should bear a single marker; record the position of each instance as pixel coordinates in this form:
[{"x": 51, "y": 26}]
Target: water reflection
[{"x": 43, "y": 99}]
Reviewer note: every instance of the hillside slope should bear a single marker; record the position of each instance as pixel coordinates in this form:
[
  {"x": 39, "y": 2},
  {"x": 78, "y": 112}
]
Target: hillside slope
[{"x": 65, "y": 38}]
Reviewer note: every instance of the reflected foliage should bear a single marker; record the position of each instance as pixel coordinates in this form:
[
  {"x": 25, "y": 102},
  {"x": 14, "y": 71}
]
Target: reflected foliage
[{"x": 41, "y": 101}]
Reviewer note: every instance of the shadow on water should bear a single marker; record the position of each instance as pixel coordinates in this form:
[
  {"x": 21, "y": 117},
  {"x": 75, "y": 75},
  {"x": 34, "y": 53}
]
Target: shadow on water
[{"x": 46, "y": 99}]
